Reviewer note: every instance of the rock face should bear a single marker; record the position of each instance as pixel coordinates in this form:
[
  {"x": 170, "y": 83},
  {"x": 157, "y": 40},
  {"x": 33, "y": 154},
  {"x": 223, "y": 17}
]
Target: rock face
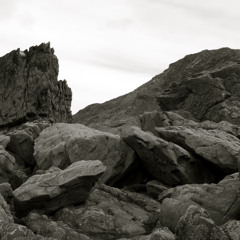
[
  {"x": 29, "y": 87},
  {"x": 53, "y": 190},
  {"x": 63, "y": 144}
]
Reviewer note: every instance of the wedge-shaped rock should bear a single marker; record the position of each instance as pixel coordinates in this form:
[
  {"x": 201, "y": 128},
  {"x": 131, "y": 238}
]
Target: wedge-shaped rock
[
  {"x": 53, "y": 190},
  {"x": 62, "y": 144},
  {"x": 215, "y": 146},
  {"x": 166, "y": 161}
]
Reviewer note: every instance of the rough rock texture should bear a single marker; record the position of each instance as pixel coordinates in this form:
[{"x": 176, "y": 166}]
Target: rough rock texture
[
  {"x": 160, "y": 233},
  {"x": 59, "y": 188},
  {"x": 62, "y": 144},
  {"x": 166, "y": 161},
  {"x": 29, "y": 87},
  {"x": 221, "y": 201},
  {"x": 110, "y": 213},
  {"x": 21, "y": 142},
  {"x": 40, "y": 224},
  {"x": 180, "y": 128},
  {"x": 7, "y": 163},
  {"x": 195, "y": 224},
  {"x": 204, "y": 83},
  {"x": 215, "y": 146}
]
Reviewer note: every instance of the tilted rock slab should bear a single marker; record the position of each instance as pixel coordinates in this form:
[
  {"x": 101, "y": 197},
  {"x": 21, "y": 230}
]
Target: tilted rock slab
[
  {"x": 29, "y": 87},
  {"x": 166, "y": 161},
  {"x": 215, "y": 146},
  {"x": 62, "y": 144},
  {"x": 53, "y": 190}
]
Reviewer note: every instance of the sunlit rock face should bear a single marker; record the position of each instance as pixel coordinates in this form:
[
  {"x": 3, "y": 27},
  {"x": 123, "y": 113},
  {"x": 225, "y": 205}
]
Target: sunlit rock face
[{"x": 29, "y": 87}]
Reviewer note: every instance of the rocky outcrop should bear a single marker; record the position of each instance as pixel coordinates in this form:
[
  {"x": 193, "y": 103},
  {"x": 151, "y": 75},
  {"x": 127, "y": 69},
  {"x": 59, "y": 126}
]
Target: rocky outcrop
[
  {"x": 63, "y": 144},
  {"x": 164, "y": 155},
  {"x": 204, "y": 86},
  {"x": 166, "y": 161},
  {"x": 29, "y": 88},
  {"x": 58, "y": 188}
]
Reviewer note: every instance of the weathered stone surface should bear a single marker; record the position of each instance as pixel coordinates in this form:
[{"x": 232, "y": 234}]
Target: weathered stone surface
[
  {"x": 62, "y": 144},
  {"x": 110, "y": 213},
  {"x": 11, "y": 231},
  {"x": 21, "y": 142},
  {"x": 5, "y": 213},
  {"x": 41, "y": 224},
  {"x": 195, "y": 224},
  {"x": 151, "y": 120},
  {"x": 165, "y": 161},
  {"x": 215, "y": 146},
  {"x": 221, "y": 201},
  {"x": 7, "y": 163},
  {"x": 50, "y": 191},
  {"x": 4, "y": 140},
  {"x": 232, "y": 228},
  {"x": 160, "y": 233},
  {"x": 154, "y": 188},
  {"x": 6, "y": 191},
  {"x": 213, "y": 95},
  {"x": 29, "y": 87}
]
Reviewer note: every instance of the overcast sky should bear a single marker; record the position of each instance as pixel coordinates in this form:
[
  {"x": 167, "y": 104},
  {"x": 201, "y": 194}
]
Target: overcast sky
[{"x": 107, "y": 48}]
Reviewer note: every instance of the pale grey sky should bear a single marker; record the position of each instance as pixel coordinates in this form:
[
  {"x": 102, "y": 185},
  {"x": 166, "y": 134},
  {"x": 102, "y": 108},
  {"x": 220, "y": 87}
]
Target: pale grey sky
[{"x": 107, "y": 48}]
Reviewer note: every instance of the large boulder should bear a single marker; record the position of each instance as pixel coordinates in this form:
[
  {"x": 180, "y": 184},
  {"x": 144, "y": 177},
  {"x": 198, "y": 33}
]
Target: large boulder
[
  {"x": 58, "y": 188},
  {"x": 166, "y": 161},
  {"x": 29, "y": 87},
  {"x": 21, "y": 142},
  {"x": 63, "y": 144},
  {"x": 221, "y": 201},
  {"x": 215, "y": 146},
  {"x": 196, "y": 224}
]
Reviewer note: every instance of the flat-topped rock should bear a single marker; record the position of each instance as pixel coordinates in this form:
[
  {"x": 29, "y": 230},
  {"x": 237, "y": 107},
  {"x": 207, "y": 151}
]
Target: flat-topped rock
[{"x": 59, "y": 188}]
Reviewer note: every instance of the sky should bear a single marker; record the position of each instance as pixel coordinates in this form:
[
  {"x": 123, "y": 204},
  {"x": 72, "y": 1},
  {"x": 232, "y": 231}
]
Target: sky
[{"x": 107, "y": 48}]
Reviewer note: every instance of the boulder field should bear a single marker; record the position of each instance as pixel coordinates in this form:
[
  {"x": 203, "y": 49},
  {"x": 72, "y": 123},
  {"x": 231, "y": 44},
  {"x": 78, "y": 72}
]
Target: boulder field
[{"x": 159, "y": 163}]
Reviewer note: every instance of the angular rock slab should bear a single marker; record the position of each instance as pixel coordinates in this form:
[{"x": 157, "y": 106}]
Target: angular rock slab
[
  {"x": 51, "y": 191},
  {"x": 62, "y": 144},
  {"x": 215, "y": 146},
  {"x": 166, "y": 161}
]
